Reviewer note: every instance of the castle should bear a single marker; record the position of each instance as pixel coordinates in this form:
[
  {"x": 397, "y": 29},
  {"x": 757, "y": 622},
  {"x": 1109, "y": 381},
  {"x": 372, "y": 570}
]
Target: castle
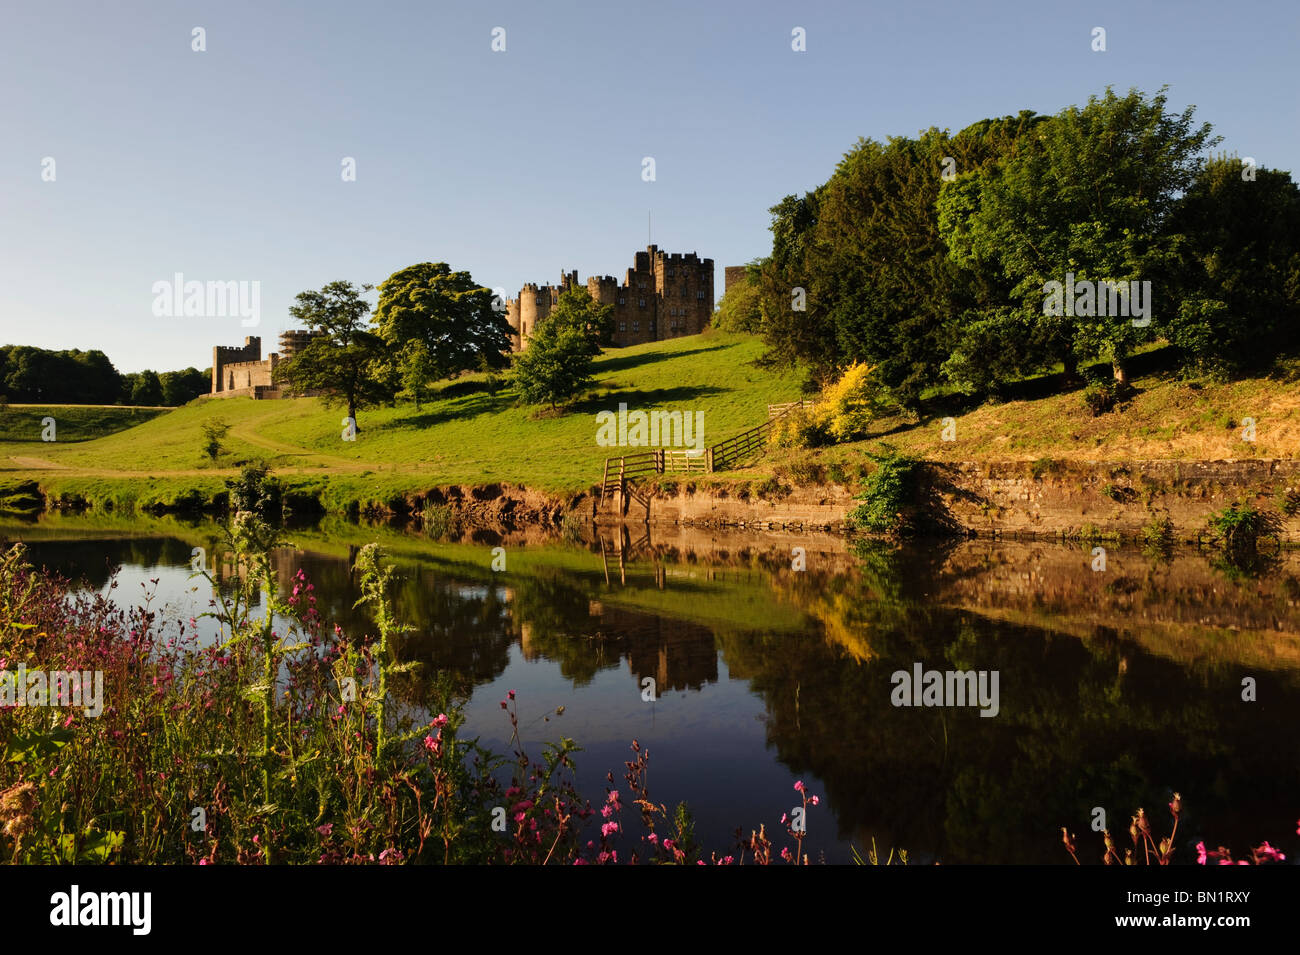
[
  {"x": 241, "y": 370},
  {"x": 663, "y": 296}
]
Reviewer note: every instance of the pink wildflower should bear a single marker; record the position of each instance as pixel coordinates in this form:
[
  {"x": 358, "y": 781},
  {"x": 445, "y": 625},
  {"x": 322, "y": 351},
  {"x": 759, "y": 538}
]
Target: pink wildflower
[
  {"x": 1268, "y": 852},
  {"x": 798, "y": 785}
]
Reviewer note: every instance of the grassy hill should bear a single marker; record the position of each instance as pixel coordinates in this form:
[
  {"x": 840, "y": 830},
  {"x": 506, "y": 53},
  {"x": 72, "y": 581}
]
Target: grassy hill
[{"x": 465, "y": 435}]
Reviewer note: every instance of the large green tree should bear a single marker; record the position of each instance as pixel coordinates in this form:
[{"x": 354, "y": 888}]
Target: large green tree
[
  {"x": 859, "y": 271},
  {"x": 1240, "y": 280},
  {"x": 180, "y": 387},
  {"x": 346, "y": 363},
  {"x": 576, "y": 309},
  {"x": 438, "y": 323},
  {"x": 556, "y": 365},
  {"x": 1089, "y": 196}
]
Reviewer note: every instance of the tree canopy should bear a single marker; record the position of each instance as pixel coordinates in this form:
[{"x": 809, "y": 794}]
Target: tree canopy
[
  {"x": 943, "y": 260},
  {"x": 345, "y": 362},
  {"x": 438, "y": 323}
]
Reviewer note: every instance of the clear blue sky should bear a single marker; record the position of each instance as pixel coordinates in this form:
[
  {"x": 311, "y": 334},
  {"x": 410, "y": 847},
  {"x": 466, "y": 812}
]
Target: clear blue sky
[{"x": 225, "y": 164}]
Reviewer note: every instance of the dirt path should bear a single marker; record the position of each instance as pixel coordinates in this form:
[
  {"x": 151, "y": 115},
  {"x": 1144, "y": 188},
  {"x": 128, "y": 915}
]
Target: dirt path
[
  {"x": 36, "y": 464},
  {"x": 244, "y": 432}
]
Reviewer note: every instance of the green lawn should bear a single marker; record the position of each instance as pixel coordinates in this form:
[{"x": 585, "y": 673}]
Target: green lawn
[
  {"x": 132, "y": 458},
  {"x": 467, "y": 438}
]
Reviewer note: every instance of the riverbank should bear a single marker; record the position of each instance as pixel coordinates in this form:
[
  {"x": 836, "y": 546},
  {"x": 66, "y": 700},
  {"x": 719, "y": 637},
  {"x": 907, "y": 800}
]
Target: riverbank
[{"x": 1045, "y": 499}]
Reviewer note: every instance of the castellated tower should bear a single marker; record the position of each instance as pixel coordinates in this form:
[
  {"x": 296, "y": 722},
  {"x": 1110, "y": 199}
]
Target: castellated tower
[
  {"x": 662, "y": 296},
  {"x": 224, "y": 355}
]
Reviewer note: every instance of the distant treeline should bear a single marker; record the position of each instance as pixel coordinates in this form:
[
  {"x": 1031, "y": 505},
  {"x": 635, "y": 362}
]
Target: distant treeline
[
  {"x": 39, "y": 376},
  {"x": 1029, "y": 243}
]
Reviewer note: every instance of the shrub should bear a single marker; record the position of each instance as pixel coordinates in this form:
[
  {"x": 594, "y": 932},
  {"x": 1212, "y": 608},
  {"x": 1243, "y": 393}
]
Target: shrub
[
  {"x": 803, "y": 472},
  {"x": 1238, "y": 530},
  {"x": 886, "y": 493},
  {"x": 770, "y": 489},
  {"x": 1044, "y": 466},
  {"x": 1159, "y": 531},
  {"x": 844, "y": 411},
  {"x": 214, "y": 433},
  {"x": 801, "y": 428}
]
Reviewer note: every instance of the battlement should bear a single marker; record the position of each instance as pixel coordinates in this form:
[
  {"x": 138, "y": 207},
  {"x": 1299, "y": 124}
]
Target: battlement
[{"x": 652, "y": 302}]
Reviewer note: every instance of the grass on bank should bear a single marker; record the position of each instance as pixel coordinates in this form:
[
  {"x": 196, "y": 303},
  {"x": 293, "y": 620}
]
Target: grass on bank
[{"x": 467, "y": 435}]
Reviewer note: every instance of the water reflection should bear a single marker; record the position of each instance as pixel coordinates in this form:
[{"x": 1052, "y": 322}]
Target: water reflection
[{"x": 1116, "y": 688}]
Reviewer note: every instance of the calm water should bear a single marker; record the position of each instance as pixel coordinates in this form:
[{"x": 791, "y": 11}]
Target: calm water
[{"x": 1115, "y": 688}]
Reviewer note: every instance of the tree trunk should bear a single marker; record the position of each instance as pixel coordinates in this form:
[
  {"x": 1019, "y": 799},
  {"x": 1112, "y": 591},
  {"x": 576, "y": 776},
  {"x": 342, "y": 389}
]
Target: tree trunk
[
  {"x": 1120, "y": 370},
  {"x": 1071, "y": 364}
]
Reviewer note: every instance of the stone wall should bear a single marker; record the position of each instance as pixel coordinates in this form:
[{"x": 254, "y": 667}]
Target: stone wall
[
  {"x": 1013, "y": 499},
  {"x": 1080, "y": 498}
]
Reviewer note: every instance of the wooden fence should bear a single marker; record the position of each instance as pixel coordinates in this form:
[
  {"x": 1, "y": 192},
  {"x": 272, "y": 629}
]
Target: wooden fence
[
  {"x": 776, "y": 411},
  {"x": 622, "y": 472}
]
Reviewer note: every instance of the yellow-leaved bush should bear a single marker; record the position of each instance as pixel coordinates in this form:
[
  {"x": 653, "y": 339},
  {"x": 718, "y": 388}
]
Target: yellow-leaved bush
[{"x": 843, "y": 412}]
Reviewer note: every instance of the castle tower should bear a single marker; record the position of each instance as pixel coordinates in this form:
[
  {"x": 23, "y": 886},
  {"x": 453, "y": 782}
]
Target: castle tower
[
  {"x": 512, "y": 319},
  {"x": 223, "y": 355}
]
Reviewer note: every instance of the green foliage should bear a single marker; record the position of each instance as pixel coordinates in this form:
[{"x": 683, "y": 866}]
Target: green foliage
[
  {"x": 1158, "y": 532},
  {"x": 931, "y": 257},
  {"x": 214, "y": 432},
  {"x": 865, "y": 248},
  {"x": 255, "y": 492},
  {"x": 145, "y": 388},
  {"x": 886, "y": 493},
  {"x": 31, "y": 375},
  {"x": 438, "y": 323},
  {"x": 577, "y": 310},
  {"x": 180, "y": 387},
  {"x": 1090, "y": 194},
  {"x": 741, "y": 308},
  {"x": 347, "y": 363},
  {"x": 556, "y": 366},
  {"x": 1240, "y": 267},
  {"x": 1239, "y": 530}
]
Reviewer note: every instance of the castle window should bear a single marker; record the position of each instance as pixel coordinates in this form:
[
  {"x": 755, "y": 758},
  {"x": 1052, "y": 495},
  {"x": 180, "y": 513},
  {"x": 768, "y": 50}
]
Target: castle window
[
  {"x": 622, "y": 326},
  {"x": 642, "y": 303},
  {"x": 636, "y": 326},
  {"x": 699, "y": 296},
  {"x": 622, "y": 301}
]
